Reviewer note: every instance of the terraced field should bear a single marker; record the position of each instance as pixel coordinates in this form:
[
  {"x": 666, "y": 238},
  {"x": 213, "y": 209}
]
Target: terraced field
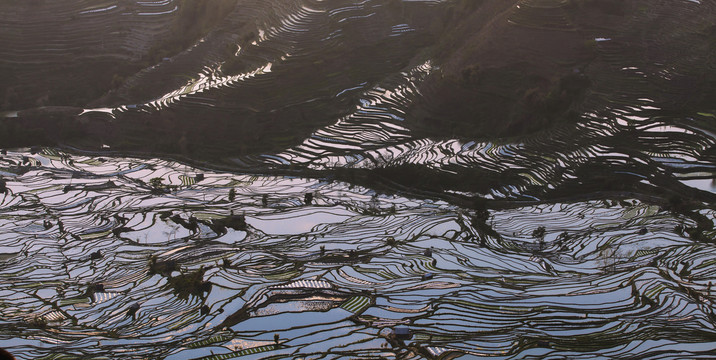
[
  {"x": 99, "y": 261},
  {"x": 357, "y": 179}
]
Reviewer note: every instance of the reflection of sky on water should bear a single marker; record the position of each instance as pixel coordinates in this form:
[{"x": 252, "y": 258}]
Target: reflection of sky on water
[
  {"x": 299, "y": 221},
  {"x": 702, "y": 184},
  {"x": 609, "y": 278}
]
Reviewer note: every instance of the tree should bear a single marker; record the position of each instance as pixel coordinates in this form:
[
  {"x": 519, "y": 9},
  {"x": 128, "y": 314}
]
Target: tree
[{"x": 156, "y": 182}]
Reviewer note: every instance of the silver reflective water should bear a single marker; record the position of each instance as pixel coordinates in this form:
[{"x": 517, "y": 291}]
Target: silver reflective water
[
  {"x": 332, "y": 278},
  {"x": 293, "y": 36}
]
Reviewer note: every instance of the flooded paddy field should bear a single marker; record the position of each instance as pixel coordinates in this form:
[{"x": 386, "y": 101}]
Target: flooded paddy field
[
  {"x": 147, "y": 258},
  {"x": 402, "y": 179}
]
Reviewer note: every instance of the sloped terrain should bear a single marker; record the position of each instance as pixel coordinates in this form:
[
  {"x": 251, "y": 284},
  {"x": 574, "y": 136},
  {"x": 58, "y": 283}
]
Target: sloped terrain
[
  {"x": 98, "y": 259},
  {"x": 304, "y": 178},
  {"x": 265, "y": 84}
]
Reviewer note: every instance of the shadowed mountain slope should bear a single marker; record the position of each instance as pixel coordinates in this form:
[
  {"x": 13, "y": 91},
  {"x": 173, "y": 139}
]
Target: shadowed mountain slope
[{"x": 381, "y": 84}]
